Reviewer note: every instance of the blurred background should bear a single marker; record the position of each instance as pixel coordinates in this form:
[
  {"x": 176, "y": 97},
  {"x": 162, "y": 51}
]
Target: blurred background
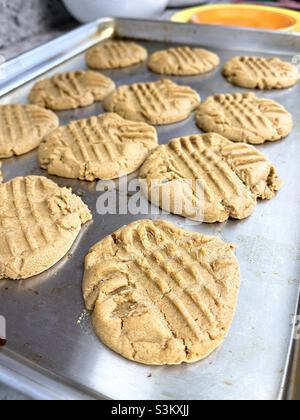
[
  {"x": 26, "y": 23},
  {"x": 36, "y": 20}
]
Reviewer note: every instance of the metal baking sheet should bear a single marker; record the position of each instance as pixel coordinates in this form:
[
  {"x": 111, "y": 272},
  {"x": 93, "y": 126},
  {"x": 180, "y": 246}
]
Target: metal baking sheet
[{"x": 52, "y": 351}]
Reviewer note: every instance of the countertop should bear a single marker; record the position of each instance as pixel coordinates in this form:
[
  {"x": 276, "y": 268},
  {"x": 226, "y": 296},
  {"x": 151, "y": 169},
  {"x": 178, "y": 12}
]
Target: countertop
[
  {"x": 8, "y": 394},
  {"x": 43, "y": 37},
  {"x": 33, "y": 41}
]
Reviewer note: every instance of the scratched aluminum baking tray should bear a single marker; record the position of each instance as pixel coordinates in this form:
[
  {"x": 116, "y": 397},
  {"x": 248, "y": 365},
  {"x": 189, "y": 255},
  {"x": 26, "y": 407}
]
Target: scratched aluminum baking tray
[{"x": 52, "y": 351}]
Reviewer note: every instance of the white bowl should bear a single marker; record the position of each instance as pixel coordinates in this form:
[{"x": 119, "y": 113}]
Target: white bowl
[{"x": 89, "y": 10}]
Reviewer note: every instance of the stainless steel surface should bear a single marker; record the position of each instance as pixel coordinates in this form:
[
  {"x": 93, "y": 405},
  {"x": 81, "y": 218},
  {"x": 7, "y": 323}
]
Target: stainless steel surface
[
  {"x": 52, "y": 350},
  {"x": 291, "y": 380}
]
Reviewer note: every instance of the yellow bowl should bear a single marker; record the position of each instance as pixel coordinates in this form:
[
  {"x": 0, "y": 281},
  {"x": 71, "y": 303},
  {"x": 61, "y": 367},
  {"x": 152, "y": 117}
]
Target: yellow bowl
[{"x": 262, "y": 17}]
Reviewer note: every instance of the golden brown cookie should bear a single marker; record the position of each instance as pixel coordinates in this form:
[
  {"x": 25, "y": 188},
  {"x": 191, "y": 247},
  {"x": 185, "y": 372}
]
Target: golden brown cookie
[
  {"x": 71, "y": 90},
  {"x": 39, "y": 222},
  {"x": 157, "y": 103},
  {"x": 22, "y": 128},
  {"x": 104, "y": 147},
  {"x": 208, "y": 178},
  {"x": 183, "y": 61},
  {"x": 244, "y": 118},
  {"x": 115, "y": 54},
  {"x": 161, "y": 295},
  {"x": 261, "y": 73}
]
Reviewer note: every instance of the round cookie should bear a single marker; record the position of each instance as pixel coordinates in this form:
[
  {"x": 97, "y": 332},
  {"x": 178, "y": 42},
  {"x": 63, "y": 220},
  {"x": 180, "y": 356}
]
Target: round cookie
[
  {"x": 183, "y": 61},
  {"x": 161, "y": 295},
  {"x": 39, "y": 222},
  {"x": 71, "y": 90},
  {"x": 22, "y": 128},
  {"x": 115, "y": 55},
  {"x": 244, "y": 118},
  {"x": 208, "y": 178},
  {"x": 261, "y": 73},
  {"x": 104, "y": 147},
  {"x": 157, "y": 103}
]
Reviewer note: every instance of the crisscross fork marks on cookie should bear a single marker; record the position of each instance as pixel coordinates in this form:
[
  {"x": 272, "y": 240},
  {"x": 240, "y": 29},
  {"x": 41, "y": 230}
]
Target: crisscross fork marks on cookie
[
  {"x": 256, "y": 67},
  {"x": 149, "y": 97},
  {"x": 253, "y": 168},
  {"x": 242, "y": 156},
  {"x": 67, "y": 84},
  {"x": 183, "y": 61},
  {"x": 184, "y": 56},
  {"x": 71, "y": 90},
  {"x": 178, "y": 55},
  {"x": 261, "y": 73},
  {"x": 172, "y": 268},
  {"x": 23, "y": 207},
  {"x": 103, "y": 147},
  {"x": 233, "y": 176},
  {"x": 163, "y": 303},
  {"x": 17, "y": 121},
  {"x": 84, "y": 135},
  {"x": 115, "y": 50},
  {"x": 115, "y": 54},
  {"x": 241, "y": 112},
  {"x": 39, "y": 222},
  {"x": 207, "y": 167},
  {"x": 22, "y": 128},
  {"x": 244, "y": 118},
  {"x": 161, "y": 102},
  {"x": 241, "y": 151},
  {"x": 210, "y": 162}
]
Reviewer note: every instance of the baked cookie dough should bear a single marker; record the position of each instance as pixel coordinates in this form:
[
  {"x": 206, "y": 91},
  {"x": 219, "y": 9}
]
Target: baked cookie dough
[
  {"x": 208, "y": 178},
  {"x": 244, "y": 118},
  {"x": 261, "y": 73},
  {"x": 104, "y": 147},
  {"x": 115, "y": 55},
  {"x": 157, "y": 103},
  {"x": 183, "y": 61},
  {"x": 71, "y": 90},
  {"x": 161, "y": 295},
  {"x": 39, "y": 222},
  {"x": 22, "y": 128}
]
